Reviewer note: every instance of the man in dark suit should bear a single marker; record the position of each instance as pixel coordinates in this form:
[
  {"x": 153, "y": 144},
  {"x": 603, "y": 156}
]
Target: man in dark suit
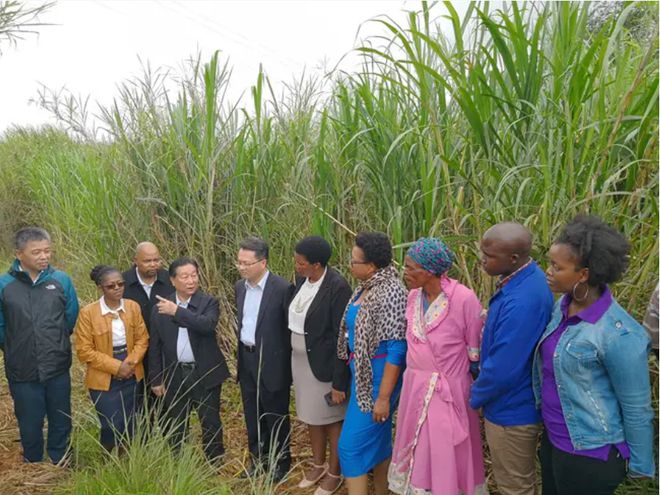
[
  {"x": 264, "y": 357},
  {"x": 187, "y": 366},
  {"x": 145, "y": 281}
]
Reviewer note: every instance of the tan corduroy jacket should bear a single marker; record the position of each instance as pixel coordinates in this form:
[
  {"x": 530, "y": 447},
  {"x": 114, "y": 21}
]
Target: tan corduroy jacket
[{"x": 93, "y": 337}]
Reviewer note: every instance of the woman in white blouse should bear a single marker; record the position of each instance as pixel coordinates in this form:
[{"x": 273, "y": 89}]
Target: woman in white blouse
[
  {"x": 320, "y": 378},
  {"x": 111, "y": 339}
]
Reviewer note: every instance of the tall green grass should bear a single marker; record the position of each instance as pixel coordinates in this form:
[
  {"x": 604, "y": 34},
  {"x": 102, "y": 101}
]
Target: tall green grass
[
  {"x": 524, "y": 113},
  {"x": 520, "y": 114},
  {"x": 148, "y": 466}
]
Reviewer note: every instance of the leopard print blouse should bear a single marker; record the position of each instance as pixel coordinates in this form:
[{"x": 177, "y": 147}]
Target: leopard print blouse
[{"x": 382, "y": 316}]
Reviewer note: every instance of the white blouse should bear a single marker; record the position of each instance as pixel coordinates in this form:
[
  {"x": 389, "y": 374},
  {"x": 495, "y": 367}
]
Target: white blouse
[
  {"x": 118, "y": 328},
  {"x": 301, "y": 303}
]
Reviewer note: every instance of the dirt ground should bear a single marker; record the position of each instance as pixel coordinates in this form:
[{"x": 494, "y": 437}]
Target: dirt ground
[{"x": 19, "y": 478}]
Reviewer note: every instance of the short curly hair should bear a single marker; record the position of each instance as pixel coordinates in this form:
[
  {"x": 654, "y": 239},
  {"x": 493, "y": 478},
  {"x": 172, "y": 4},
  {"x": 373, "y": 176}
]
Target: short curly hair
[
  {"x": 376, "y": 247},
  {"x": 315, "y": 249},
  {"x": 598, "y": 247}
]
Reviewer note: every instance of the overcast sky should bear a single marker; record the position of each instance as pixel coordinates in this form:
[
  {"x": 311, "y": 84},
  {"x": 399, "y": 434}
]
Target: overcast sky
[{"x": 93, "y": 45}]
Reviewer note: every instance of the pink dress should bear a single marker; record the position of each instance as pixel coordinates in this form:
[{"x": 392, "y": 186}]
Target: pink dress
[{"x": 437, "y": 449}]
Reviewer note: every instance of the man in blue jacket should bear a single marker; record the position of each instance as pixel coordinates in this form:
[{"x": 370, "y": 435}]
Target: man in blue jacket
[
  {"x": 517, "y": 315},
  {"x": 38, "y": 310}
]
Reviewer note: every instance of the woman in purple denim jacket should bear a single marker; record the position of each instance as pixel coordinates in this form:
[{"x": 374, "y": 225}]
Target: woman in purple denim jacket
[{"x": 591, "y": 369}]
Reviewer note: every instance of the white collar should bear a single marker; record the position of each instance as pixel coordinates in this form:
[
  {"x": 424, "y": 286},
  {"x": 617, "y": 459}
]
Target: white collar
[
  {"x": 179, "y": 302},
  {"x": 20, "y": 269},
  {"x": 261, "y": 284},
  {"x": 105, "y": 309},
  {"x": 142, "y": 282}
]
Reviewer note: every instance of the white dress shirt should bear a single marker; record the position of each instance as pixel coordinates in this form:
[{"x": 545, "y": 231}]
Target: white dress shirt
[
  {"x": 118, "y": 328},
  {"x": 301, "y": 303},
  {"x": 147, "y": 287},
  {"x": 184, "y": 351},
  {"x": 253, "y": 295}
]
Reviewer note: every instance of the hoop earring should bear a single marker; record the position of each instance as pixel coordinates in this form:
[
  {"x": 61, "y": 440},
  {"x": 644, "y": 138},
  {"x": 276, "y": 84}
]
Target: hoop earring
[{"x": 575, "y": 297}]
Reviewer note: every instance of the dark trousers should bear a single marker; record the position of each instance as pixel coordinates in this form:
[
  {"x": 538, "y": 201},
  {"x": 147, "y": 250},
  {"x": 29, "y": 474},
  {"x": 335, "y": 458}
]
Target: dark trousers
[
  {"x": 116, "y": 410},
  {"x": 569, "y": 474},
  {"x": 184, "y": 393},
  {"x": 143, "y": 389},
  {"x": 33, "y": 401},
  {"x": 145, "y": 401},
  {"x": 266, "y": 415}
]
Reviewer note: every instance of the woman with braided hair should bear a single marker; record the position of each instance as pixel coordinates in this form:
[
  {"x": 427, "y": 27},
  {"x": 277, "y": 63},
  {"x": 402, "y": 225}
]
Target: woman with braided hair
[{"x": 111, "y": 339}]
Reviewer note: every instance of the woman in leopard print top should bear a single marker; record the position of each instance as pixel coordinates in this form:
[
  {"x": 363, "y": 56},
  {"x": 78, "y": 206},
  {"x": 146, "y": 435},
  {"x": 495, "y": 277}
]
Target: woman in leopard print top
[{"x": 372, "y": 339}]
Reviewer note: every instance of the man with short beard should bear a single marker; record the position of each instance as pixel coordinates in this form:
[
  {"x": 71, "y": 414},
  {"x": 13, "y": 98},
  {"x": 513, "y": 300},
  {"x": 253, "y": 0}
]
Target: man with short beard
[{"x": 145, "y": 281}]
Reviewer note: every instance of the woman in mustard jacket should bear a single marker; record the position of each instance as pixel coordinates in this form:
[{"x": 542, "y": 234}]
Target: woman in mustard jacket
[{"x": 111, "y": 338}]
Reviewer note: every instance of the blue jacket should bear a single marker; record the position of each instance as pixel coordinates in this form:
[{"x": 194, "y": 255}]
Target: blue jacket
[
  {"x": 36, "y": 321},
  {"x": 517, "y": 316},
  {"x": 603, "y": 382}
]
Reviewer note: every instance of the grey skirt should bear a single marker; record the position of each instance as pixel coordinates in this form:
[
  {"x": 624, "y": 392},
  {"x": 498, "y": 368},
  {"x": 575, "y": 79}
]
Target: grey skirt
[{"x": 311, "y": 407}]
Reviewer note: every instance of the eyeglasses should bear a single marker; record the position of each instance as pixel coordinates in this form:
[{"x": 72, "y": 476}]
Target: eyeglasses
[
  {"x": 243, "y": 264},
  {"x": 114, "y": 285},
  {"x": 356, "y": 262}
]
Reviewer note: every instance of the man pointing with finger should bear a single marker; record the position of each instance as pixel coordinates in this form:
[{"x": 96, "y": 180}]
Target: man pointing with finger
[{"x": 187, "y": 366}]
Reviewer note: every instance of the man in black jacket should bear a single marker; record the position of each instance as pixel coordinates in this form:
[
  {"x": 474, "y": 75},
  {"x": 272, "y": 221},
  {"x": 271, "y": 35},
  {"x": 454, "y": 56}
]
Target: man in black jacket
[
  {"x": 264, "y": 356},
  {"x": 187, "y": 366},
  {"x": 145, "y": 281},
  {"x": 38, "y": 311}
]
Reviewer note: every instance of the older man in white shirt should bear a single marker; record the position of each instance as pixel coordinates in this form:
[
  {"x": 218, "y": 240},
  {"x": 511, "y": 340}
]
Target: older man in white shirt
[{"x": 188, "y": 367}]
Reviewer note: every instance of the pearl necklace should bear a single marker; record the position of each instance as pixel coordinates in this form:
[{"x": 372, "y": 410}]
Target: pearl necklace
[{"x": 301, "y": 303}]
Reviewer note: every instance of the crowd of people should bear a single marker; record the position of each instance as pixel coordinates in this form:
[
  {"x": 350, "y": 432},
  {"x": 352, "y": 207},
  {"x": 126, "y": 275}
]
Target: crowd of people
[{"x": 566, "y": 380}]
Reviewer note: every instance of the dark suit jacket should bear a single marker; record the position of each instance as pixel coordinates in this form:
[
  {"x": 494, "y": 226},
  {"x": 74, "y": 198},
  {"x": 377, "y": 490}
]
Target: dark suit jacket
[
  {"x": 201, "y": 319},
  {"x": 322, "y": 323},
  {"x": 273, "y": 334},
  {"x": 162, "y": 287}
]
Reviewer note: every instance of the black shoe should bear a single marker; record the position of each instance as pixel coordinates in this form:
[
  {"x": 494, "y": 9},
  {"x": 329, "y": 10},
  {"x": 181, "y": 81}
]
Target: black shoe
[
  {"x": 217, "y": 461},
  {"x": 279, "y": 474},
  {"x": 66, "y": 462},
  {"x": 253, "y": 471}
]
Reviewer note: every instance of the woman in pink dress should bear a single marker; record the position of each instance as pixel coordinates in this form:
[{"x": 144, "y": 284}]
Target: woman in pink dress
[{"x": 437, "y": 449}]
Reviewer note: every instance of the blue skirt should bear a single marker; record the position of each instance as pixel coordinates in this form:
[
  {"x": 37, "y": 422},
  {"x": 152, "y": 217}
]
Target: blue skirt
[{"x": 363, "y": 443}]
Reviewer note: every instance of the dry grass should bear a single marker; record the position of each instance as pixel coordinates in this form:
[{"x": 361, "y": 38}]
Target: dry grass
[{"x": 18, "y": 478}]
